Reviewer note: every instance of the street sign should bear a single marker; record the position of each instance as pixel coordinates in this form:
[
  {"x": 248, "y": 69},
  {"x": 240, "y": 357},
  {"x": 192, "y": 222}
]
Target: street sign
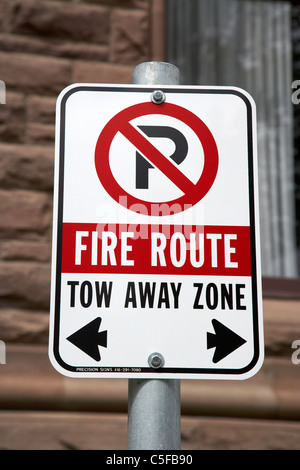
[{"x": 156, "y": 268}]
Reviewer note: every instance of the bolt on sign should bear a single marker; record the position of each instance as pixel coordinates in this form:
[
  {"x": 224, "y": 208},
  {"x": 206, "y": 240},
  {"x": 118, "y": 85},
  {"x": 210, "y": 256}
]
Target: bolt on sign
[{"x": 156, "y": 267}]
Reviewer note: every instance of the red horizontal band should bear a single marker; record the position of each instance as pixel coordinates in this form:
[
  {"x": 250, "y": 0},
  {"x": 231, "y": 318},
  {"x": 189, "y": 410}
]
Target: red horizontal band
[{"x": 156, "y": 249}]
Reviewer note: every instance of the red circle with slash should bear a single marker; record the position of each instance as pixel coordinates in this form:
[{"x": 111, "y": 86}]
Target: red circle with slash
[{"x": 192, "y": 193}]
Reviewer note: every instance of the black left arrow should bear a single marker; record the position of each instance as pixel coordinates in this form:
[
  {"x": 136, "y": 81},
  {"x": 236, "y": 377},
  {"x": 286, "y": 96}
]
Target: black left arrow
[
  {"x": 88, "y": 339},
  {"x": 224, "y": 340}
]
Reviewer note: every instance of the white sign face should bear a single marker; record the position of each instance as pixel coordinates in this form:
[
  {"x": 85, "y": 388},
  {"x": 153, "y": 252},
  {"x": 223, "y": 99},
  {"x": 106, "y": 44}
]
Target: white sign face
[{"x": 155, "y": 237}]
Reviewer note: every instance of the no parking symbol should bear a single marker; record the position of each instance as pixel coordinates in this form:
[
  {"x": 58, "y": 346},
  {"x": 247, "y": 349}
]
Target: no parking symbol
[{"x": 149, "y": 156}]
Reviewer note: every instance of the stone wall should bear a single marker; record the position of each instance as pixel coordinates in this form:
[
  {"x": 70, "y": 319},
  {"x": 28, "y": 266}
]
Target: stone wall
[{"x": 44, "y": 47}]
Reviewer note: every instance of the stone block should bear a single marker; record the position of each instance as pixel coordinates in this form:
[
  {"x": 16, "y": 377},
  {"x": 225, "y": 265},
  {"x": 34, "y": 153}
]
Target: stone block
[
  {"x": 60, "y": 48},
  {"x": 35, "y": 74},
  {"x": 62, "y": 431},
  {"x": 101, "y": 73},
  {"x": 130, "y": 36},
  {"x": 23, "y": 326},
  {"x": 41, "y": 109},
  {"x": 24, "y": 250},
  {"x": 25, "y": 285},
  {"x": 236, "y": 434},
  {"x": 77, "y": 22},
  {"x": 12, "y": 118},
  {"x": 81, "y": 50},
  {"x": 26, "y": 167},
  {"x": 282, "y": 327},
  {"x": 40, "y": 133},
  {"x": 143, "y": 4},
  {"x": 41, "y": 430},
  {"x": 24, "y": 213}
]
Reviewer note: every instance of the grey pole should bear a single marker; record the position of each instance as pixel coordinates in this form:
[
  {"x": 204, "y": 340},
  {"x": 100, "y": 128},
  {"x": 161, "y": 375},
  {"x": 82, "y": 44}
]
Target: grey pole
[
  {"x": 154, "y": 405},
  {"x": 155, "y": 73}
]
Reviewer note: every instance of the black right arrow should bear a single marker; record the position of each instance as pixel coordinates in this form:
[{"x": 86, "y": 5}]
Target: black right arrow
[
  {"x": 88, "y": 339},
  {"x": 224, "y": 340}
]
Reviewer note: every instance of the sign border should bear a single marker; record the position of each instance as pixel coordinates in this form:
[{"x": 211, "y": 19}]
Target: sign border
[{"x": 148, "y": 372}]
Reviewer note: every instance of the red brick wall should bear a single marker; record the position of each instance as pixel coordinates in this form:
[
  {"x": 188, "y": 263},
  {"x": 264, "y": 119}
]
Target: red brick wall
[{"x": 45, "y": 45}]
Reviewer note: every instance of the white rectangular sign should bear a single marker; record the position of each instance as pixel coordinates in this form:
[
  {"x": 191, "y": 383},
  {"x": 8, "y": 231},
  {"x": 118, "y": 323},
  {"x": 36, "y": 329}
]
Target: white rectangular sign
[{"x": 156, "y": 258}]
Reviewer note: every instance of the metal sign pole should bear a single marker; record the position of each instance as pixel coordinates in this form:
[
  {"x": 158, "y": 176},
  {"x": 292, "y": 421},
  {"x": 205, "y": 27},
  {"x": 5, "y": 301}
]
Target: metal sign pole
[{"x": 154, "y": 405}]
